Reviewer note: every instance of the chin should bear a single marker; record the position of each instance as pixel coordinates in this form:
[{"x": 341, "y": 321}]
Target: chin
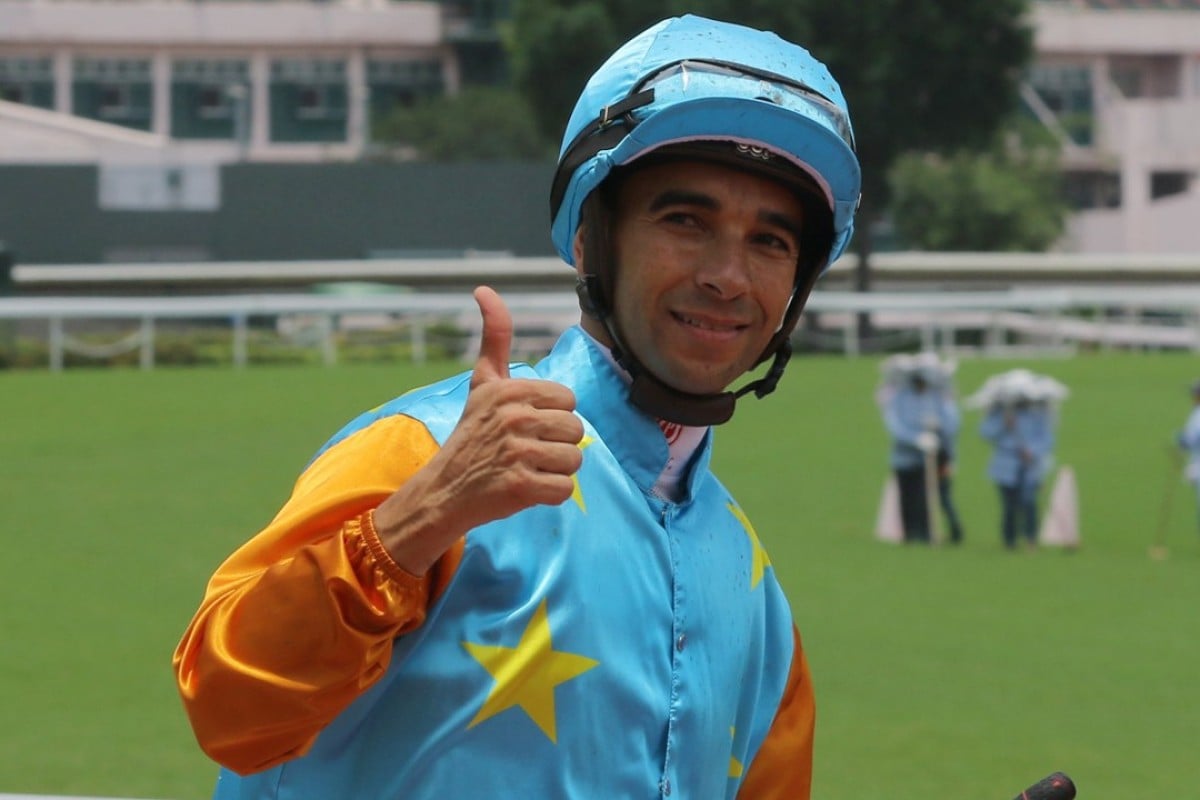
[
  {"x": 693, "y": 374},
  {"x": 690, "y": 384}
]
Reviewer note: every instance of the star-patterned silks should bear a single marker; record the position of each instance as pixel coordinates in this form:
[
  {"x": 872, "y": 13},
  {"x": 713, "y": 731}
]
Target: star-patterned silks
[
  {"x": 759, "y": 558},
  {"x": 735, "y": 767},
  {"x": 526, "y": 674},
  {"x": 577, "y": 492}
]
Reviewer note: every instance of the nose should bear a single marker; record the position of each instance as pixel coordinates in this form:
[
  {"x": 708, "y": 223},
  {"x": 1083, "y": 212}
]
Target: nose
[{"x": 724, "y": 270}]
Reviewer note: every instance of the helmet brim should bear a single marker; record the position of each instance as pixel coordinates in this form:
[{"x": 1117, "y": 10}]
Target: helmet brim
[{"x": 805, "y": 141}]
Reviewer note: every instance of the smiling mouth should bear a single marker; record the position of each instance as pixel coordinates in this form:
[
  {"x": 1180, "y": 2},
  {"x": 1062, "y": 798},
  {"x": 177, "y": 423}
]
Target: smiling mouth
[{"x": 708, "y": 324}]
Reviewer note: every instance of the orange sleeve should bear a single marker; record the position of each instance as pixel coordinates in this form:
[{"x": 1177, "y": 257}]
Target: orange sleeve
[
  {"x": 782, "y": 768},
  {"x": 300, "y": 620}
]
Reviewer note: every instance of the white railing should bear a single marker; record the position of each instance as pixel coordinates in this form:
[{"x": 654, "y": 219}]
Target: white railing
[
  {"x": 1107, "y": 316},
  {"x": 1030, "y": 268},
  {"x": 418, "y": 310}
]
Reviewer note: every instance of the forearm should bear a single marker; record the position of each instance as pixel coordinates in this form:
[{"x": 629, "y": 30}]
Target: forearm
[
  {"x": 423, "y": 519},
  {"x": 276, "y": 652},
  {"x": 301, "y": 619}
]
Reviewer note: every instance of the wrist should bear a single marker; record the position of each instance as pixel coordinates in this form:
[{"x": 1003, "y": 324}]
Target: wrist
[{"x": 414, "y": 528}]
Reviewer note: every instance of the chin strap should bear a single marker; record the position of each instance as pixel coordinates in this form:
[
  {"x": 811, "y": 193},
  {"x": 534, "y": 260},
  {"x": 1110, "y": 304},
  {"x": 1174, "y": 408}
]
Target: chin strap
[
  {"x": 657, "y": 398},
  {"x": 648, "y": 393}
]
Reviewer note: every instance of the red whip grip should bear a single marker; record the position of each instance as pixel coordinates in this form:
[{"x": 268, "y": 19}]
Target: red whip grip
[{"x": 1053, "y": 787}]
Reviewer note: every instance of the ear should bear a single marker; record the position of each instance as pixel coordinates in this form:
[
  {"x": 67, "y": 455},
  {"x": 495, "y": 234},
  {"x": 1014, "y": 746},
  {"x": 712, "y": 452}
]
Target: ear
[{"x": 577, "y": 249}]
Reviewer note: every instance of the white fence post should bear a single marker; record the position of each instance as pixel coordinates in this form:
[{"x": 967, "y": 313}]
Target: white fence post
[
  {"x": 146, "y": 357},
  {"x": 239, "y": 340},
  {"x": 56, "y": 344}
]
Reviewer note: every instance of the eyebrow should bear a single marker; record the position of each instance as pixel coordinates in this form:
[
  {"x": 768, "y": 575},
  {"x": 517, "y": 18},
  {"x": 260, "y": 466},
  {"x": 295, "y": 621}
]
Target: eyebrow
[
  {"x": 783, "y": 221},
  {"x": 682, "y": 197}
]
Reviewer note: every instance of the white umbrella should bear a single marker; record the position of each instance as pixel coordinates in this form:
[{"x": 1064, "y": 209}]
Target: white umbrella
[
  {"x": 902, "y": 368},
  {"x": 1015, "y": 386}
]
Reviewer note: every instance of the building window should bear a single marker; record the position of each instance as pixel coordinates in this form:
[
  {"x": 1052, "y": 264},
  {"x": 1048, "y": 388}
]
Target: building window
[
  {"x": 309, "y": 100},
  {"x": 22, "y": 68},
  {"x": 210, "y": 98},
  {"x": 114, "y": 90},
  {"x": 212, "y": 102},
  {"x": 1129, "y": 81},
  {"x": 28, "y": 80},
  {"x": 1063, "y": 87},
  {"x": 1147, "y": 76},
  {"x": 1165, "y": 184},
  {"x": 1092, "y": 190},
  {"x": 317, "y": 101},
  {"x": 116, "y": 101},
  {"x": 396, "y": 84},
  {"x": 125, "y": 70},
  {"x": 1066, "y": 89},
  {"x": 480, "y": 15}
]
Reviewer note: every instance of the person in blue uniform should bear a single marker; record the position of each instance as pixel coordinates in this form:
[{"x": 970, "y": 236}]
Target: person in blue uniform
[
  {"x": 1189, "y": 442},
  {"x": 922, "y": 419},
  {"x": 1021, "y": 432},
  {"x": 527, "y": 581}
]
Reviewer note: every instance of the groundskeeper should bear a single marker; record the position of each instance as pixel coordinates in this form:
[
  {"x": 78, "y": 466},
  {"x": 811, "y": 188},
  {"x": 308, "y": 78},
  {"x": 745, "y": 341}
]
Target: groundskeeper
[{"x": 1189, "y": 442}]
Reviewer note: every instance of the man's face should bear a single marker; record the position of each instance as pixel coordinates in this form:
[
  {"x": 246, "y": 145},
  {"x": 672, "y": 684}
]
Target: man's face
[{"x": 706, "y": 259}]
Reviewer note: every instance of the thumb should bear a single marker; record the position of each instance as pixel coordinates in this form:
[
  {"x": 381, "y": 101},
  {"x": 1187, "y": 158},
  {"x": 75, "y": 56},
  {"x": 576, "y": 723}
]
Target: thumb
[{"x": 495, "y": 344}]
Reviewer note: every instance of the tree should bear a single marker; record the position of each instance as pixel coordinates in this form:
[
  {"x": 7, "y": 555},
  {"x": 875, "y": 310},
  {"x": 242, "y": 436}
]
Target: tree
[
  {"x": 924, "y": 75},
  {"x": 477, "y": 124},
  {"x": 557, "y": 44},
  {"x": 1007, "y": 198}
]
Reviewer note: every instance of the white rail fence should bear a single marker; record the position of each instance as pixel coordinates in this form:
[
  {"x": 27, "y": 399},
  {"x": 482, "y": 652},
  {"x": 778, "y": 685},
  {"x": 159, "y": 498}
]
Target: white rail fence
[
  {"x": 886, "y": 267},
  {"x": 1158, "y": 317}
]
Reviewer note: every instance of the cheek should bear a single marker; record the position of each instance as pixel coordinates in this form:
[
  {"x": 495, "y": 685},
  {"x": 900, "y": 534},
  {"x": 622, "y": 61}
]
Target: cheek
[
  {"x": 643, "y": 275},
  {"x": 774, "y": 289},
  {"x": 635, "y": 303}
]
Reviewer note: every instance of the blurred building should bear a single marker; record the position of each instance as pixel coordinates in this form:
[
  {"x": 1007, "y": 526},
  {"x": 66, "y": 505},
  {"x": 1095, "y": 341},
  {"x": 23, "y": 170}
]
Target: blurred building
[
  {"x": 287, "y": 80},
  {"x": 162, "y": 95},
  {"x": 1119, "y": 82}
]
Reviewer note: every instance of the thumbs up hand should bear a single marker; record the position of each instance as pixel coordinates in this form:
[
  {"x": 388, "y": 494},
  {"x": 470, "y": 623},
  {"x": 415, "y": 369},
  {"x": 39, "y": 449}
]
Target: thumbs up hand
[
  {"x": 495, "y": 345},
  {"x": 515, "y": 446}
]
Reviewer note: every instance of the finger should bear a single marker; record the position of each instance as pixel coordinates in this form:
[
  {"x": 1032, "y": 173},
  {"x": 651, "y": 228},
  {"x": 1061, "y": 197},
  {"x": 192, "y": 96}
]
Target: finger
[
  {"x": 557, "y": 426},
  {"x": 535, "y": 393},
  {"x": 558, "y": 459},
  {"x": 495, "y": 346},
  {"x": 546, "y": 488}
]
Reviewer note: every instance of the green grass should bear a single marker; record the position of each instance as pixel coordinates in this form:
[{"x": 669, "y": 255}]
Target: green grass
[{"x": 966, "y": 672}]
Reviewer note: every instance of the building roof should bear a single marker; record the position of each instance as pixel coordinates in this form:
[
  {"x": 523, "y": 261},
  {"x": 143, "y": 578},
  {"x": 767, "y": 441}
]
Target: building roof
[
  {"x": 1128, "y": 5},
  {"x": 291, "y": 23},
  {"x": 35, "y": 135}
]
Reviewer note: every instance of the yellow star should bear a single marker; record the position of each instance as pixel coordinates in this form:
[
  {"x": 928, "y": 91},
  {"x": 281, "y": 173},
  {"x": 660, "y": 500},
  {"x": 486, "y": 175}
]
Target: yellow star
[
  {"x": 577, "y": 493},
  {"x": 527, "y": 674},
  {"x": 735, "y": 766},
  {"x": 760, "y": 560}
]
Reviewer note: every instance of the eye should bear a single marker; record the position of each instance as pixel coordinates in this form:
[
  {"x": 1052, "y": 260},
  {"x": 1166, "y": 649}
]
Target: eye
[
  {"x": 784, "y": 245},
  {"x": 681, "y": 218}
]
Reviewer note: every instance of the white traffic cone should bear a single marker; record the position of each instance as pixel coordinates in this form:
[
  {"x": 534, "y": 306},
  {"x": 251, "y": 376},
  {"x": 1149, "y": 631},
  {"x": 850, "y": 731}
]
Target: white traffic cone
[
  {"x": 1060, "y": 525},
  {"x": 888, "y": 525}
]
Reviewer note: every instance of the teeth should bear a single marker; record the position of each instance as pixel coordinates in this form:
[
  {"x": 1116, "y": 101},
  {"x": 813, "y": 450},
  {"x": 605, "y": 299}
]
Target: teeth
[{"x": 695, "y": 323}]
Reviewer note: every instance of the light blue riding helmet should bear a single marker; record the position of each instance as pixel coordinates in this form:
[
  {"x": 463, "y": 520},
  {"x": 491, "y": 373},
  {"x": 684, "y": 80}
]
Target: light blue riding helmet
[{"x": 691, "y": 79}]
